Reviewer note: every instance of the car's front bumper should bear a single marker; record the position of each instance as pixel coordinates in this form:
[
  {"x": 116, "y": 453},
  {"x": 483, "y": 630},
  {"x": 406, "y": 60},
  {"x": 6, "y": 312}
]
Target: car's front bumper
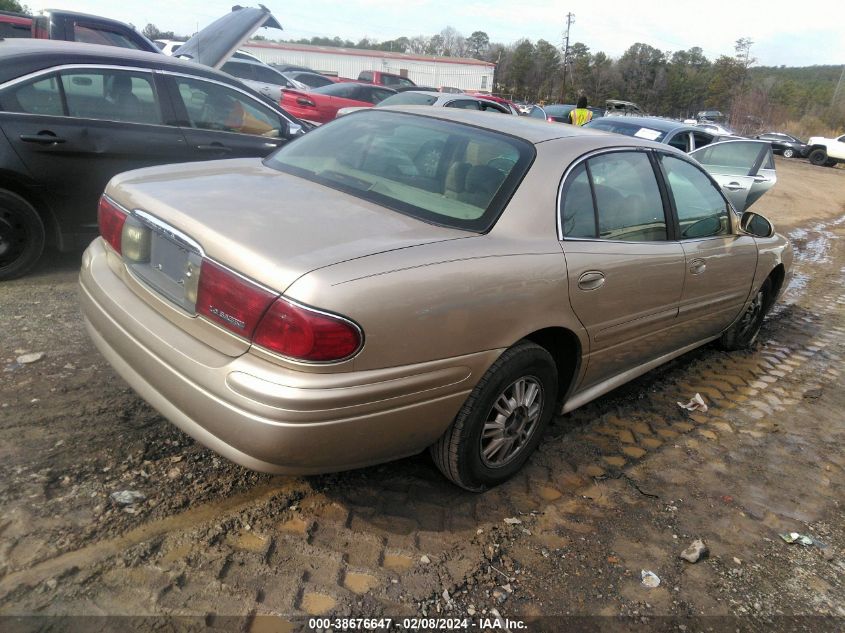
[{"x": 259, "y": 414}]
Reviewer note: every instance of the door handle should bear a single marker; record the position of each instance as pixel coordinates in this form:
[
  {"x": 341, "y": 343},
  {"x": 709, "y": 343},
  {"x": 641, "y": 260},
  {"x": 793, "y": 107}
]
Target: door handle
[
  {"x": 42, "y": 138},
  {"x": 591, "y": 280},
  {"x": 760, "y": 179},
  {"x": 733, "y": 186},
  {"x": 697, "y": 266},
  {"x": 215, "y": 147}
]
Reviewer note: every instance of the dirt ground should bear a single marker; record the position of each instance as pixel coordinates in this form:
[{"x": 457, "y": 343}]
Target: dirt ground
[{"x": 618, "y": 488}]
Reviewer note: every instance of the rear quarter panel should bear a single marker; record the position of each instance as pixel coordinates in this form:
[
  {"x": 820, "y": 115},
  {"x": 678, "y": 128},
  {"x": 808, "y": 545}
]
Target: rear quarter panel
[{"x": 446, "y": 299}]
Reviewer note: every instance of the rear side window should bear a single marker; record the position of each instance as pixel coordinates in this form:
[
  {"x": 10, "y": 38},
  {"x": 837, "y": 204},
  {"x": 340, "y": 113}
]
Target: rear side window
[
  {"x": 41, "y": 96},
  {"x": 578, "y": 215},
  {"x": 90, "y": 34},
  {"x": 628, "y": 205},
  {"x": 442, "y": 172},
  {"x": 241, "y": 71},
  {"x": 111, "y": 95}
]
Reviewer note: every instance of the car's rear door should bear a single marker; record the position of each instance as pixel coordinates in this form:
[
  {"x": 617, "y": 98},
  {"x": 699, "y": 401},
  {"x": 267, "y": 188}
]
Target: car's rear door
[
  {"x": 744, "y": 169},
  {"x": 625, "y": 274},
  {"x": 720, "y": 263},
  {"x": 76, "y": 129},
  {"x": 220, "y": 121}
]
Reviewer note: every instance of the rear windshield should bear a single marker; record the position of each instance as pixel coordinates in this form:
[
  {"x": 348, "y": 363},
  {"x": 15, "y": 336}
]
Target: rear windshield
[
  {"x": 441, "y": 172},
  {"x": 627, "y": 127},
  {"x": 409, "y": 98}
]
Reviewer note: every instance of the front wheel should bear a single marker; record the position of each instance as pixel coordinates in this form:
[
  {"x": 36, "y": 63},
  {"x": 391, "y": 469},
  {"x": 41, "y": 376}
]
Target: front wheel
[
  {"x": 743, "y": 333},
  {"x": 818, "y": 157},
  {"x": 502, "y": 421},
  {"x": 788, "y": 153},
  {"x": 22, "y": 236}
]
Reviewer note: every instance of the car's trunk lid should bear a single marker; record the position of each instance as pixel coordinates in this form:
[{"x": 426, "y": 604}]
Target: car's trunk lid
[{"x": 269, "y": 226}]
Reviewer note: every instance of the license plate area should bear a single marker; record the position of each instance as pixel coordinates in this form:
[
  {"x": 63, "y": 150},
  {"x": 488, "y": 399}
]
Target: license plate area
[{"x": 173, "y": 268}]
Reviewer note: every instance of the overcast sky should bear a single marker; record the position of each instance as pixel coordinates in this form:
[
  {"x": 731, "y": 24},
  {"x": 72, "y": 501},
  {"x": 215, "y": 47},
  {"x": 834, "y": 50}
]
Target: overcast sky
[{"x": 793, "y": 32}]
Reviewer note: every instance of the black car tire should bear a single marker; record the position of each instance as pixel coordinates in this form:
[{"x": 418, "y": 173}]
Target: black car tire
[
  {"x": 788, "y": 152},
  {"x": 22, "y": 236},
  {"x": 743, "y": 333},
  {"x": 458, "y": 452},
  {"x": 818, "y": 157}
]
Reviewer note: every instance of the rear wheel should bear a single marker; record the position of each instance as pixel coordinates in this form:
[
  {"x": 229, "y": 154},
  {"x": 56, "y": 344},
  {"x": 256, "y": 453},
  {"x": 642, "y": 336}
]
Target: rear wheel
[
  {"x": 21, "y": 236},
  {"x": 818, "y": 157},
  {"x": 502, "y": 421},
  {"x": 788, "y": 152},
  {"x": 743, "y": 333}
]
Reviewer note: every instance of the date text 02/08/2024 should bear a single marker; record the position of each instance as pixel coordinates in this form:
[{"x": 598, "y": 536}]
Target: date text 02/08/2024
[{"x": 415, "y": 624}]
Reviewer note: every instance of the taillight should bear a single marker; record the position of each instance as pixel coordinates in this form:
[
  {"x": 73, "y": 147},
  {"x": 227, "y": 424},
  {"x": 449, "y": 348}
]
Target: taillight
[
  {"x": 110, "y": 218},
  {"x": 230, "y": 300},
  {"x": 302, "y": 333},
  {"x": 550, "y": 120},
  {"x": 304, "y": 101}
]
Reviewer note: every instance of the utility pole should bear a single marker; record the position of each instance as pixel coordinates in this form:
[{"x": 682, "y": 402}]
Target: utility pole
[
  {"x": 838, "y": 87},
  {"x": 570, "y": 20}
]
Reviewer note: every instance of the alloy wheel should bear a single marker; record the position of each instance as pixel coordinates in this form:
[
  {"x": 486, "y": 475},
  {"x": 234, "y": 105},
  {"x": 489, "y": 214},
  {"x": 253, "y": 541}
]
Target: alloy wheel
[{"x": 511, "y": 422}]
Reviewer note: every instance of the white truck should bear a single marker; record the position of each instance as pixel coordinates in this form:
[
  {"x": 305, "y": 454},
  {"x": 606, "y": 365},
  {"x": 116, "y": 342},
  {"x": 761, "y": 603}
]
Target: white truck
[{"x": 826, "y": 151}]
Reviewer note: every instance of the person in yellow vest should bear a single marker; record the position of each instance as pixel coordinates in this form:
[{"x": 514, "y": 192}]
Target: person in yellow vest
[{"x": 580, "y": 115}]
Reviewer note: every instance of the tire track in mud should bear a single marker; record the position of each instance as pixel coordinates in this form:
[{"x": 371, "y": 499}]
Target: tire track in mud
[{"x": 389, "y": 539}]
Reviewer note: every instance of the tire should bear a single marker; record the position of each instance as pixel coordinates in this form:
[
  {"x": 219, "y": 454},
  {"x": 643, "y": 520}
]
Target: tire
[
  {"x": 22, "y": 236},
  {"x": 831, "y": 162},
  {"x": 817, "y": 157},
  {"x": 788, "y": 152},
  {"x": 472, "y": 461},
  {"x": 743, "y": 333}
]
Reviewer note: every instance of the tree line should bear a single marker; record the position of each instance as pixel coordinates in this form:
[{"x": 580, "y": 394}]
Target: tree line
[{"x": 676, "y": 84}]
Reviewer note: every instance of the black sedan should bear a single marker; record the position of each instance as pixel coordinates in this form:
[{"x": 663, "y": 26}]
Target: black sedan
[
  {"x": 785, "y": 144},
  {"x": 74, "y": 115}
]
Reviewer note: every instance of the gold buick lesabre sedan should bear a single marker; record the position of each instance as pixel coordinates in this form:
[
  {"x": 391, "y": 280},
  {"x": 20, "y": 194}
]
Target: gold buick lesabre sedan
[{"x": 403, "y": 279}]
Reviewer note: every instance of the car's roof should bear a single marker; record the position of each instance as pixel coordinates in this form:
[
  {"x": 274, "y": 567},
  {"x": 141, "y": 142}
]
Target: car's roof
[
  {"x": 22, "y": 56},
  {"x": 532, "y": 130}
]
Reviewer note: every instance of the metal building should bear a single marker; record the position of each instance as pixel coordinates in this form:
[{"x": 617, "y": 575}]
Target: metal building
[{"x": 424, "y": 70}]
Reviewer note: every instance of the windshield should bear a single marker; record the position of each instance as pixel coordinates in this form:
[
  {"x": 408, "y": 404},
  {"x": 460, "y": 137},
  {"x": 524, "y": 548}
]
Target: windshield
[
  {"x": 626, "y": 127},
  {"x": 410, "y": 98},
  {"x": 442, "y": 172}
]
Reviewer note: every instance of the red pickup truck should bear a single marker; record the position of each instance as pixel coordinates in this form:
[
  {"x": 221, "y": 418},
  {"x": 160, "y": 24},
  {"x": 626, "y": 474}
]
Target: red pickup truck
[
  {"x": 71, "y": 26},
  {"x": 390, "y": 80}
]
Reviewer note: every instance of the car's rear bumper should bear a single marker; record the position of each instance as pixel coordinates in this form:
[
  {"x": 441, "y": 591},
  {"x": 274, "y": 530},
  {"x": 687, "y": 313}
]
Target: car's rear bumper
[{"x": 257, "y": 413}]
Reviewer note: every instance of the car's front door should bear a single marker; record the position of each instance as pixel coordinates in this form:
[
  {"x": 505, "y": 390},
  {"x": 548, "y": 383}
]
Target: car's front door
[
  {"x": 625, "y": 274},
  {"x": 720, "y": 263},
  {"x": 220, "y": 121},
  {"x": 744, "y": 169},
  {"x": 76, "y": 129}
]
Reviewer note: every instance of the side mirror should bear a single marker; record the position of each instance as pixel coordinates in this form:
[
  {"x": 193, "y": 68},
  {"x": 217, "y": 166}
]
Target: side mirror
[
  {"x": 756, "y": 225},
  {"x": 294, "y": 130}
]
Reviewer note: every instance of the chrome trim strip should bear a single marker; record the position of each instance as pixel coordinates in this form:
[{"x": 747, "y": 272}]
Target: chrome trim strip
[{"x": 163, "y": 228}]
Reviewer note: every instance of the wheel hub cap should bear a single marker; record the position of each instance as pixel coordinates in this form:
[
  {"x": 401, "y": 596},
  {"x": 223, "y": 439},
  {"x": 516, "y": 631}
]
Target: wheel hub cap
[{"x": 511, "y": 422}]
